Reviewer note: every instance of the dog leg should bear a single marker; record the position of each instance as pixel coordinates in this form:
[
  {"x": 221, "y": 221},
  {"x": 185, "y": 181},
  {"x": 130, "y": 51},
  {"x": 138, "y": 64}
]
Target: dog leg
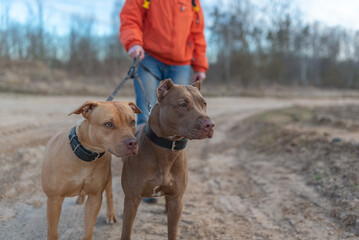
[
  {"x": 111, "y": 215},
  {"x": 92, "y": 207},
  {"x": 53, "y": 210},
  {"x": 129, "y": 213},
  {"x": 174, "y": 210}
]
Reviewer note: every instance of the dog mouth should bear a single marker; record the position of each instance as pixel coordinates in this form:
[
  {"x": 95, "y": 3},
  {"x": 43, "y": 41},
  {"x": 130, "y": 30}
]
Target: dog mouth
[
  {"x": 123, "y": 152},
  {"x": 210, "y": 134},
  {"x": 197, "y": 134},
  {"x": 133, "y": 151}
]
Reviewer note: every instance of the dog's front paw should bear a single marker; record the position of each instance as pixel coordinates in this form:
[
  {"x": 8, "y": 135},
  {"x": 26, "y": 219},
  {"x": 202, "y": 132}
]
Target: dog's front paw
[{"x": 111, "y": 218}]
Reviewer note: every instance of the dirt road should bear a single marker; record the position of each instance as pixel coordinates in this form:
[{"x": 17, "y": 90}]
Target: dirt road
[{"x": 233, "y": 192}]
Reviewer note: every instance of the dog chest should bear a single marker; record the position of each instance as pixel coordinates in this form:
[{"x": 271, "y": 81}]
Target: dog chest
[{"x": 157, "y": 188}]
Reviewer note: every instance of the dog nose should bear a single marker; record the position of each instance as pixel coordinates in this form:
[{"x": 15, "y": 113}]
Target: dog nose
[
  {"x": 207, "y": 124},
  {"x": 131, "y": 143}
]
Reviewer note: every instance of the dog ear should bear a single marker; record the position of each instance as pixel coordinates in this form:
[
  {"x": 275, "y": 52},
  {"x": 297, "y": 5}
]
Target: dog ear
[
  {"x": 134, "y": 107},
  {"x": 197, "y": 84},
  {"x": 163, "y": 88},
  {"x": 86, "y": 108}
]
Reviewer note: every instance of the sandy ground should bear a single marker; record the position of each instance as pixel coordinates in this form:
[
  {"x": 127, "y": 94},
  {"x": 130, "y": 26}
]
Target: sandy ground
[{"x": 233, "y": 192}]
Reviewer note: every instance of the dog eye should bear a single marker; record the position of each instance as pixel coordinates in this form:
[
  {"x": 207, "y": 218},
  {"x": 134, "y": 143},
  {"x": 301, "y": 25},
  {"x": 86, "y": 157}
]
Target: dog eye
[
  {"x": 132, "y": 123},
  {"x": 109, "y": 125},
  {"x": 205, "y": 103},
  {"x": 183, "y": 105}
]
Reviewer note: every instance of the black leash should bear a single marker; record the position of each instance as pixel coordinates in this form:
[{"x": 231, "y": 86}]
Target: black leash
[
  {"x": 149, "y": 71},
  {"x": 132, "y": 74}
]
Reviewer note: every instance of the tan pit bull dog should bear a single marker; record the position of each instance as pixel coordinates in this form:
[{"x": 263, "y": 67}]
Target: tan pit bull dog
[
  {"x": 78, "y": 161},
  {"x": 160, "y": 167}
]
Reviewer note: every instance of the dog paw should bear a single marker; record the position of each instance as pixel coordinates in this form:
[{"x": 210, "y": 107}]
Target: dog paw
[
  {"x": 111, "y": 218},
  {"x": 80, "y": 199}
]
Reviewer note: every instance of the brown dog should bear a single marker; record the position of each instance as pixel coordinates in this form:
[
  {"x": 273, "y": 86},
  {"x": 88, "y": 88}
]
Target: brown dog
[
  {"x": 160, "y": 167},
  {"x": 78, "y": 161}
]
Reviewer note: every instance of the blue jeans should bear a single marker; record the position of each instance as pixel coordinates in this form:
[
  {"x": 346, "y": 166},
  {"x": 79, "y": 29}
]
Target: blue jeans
[{"x": 180, "y": 74}]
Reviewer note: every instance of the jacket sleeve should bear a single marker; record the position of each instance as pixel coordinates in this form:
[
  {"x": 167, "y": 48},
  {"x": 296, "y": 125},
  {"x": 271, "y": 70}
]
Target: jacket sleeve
[
  {"x": 199, "y": 61},
  {"x": 131, "y": 28}
]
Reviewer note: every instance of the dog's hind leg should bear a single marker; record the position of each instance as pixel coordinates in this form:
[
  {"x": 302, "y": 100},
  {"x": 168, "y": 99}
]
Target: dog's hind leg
[
  {"x": 111, "y": 215},
  {"x": 81, "y": 197}
]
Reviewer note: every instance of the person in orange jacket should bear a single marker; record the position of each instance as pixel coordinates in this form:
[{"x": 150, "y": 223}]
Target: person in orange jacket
[{"x": 168, "y": 36}]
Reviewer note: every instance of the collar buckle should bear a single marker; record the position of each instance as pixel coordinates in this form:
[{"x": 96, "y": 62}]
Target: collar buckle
[
  {"x": 97, "y": 157},
  {"x": 173, "y": 145}
]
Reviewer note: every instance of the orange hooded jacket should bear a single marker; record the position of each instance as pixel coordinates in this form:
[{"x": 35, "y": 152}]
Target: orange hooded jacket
[{"x": 169, "y": 30}]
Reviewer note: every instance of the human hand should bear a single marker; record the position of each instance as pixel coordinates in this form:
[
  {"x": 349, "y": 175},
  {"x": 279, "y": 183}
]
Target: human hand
[
  {"x": 198, "y": 76},
  {"x": 136, "y": 51}
]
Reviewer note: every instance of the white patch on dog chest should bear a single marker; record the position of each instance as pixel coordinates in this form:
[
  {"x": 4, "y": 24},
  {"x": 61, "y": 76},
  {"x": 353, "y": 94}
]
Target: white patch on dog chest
[{"x": 158, "y": 194}]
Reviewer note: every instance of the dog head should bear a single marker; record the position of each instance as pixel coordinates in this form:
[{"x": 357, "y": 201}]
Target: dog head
[
  {"x": 183, "y": 110},
  {"x": 110, "y": 125}
]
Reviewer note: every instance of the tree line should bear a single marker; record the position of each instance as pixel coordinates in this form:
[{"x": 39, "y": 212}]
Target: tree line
[
  {"x": 248, "y": 45},
  {"x": 81, "y": 52},
  {"x": 273, "y": 45}
]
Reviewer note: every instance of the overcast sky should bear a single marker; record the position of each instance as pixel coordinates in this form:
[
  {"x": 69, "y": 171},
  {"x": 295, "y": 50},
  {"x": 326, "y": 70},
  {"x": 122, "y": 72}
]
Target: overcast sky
[
  {"x": 58, "y": 12},
  {"x": 332, "y": 12}
]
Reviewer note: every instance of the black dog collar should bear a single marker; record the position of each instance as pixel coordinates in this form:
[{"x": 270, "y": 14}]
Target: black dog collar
[
  {"x": 80, "y": 151},
  {"x": 163, "y": 142}
]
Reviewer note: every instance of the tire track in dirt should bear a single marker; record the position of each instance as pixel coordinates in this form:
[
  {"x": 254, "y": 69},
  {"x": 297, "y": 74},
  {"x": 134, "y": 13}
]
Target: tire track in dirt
[
  {"x": 258, "y": 196},
  {"x": 21, "y": 147},
  {"x": 28, "y": 135},
  {"x": 223, "y": 186}
]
